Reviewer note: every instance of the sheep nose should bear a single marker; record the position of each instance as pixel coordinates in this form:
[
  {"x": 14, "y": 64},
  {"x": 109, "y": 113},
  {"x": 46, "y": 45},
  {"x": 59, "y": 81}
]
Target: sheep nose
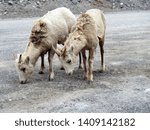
[
  {"x": 69, "y": 61},
  {"x": 22, "y": 82},
  {"x": 70, "y": 73}
]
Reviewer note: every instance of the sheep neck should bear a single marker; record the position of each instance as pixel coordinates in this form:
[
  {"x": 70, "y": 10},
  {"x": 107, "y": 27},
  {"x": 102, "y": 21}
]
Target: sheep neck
[
  {"x": 78, "y": 47},
  {"x": 33, "y": 53}
]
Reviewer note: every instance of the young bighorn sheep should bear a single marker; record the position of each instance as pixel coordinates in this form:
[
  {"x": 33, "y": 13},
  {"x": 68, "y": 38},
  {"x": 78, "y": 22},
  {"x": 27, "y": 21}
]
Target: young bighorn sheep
[
  {"x": 46, "y": 32},
  {"x": 86, "y": 33}
]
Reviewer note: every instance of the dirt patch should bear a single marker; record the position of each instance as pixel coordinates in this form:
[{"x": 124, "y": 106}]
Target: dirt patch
[{"x": 34, "y": 8}]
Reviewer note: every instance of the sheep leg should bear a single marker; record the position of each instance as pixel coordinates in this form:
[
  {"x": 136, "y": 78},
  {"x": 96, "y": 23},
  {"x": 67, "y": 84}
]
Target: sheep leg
[
  {"x": 42, "y": 65},
  {"x": 84, "y": 64},
  {"x": 80, "y": 61},
  {"x": 50, "y": 59},
  {"x": 101, "y": 44},
  {"x": 90, "y": 65}
]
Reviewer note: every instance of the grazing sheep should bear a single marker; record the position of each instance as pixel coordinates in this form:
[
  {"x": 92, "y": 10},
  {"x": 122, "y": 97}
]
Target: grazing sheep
[
  {"x": 86, "y": 33},
  {"x": 46, "y": 32}
]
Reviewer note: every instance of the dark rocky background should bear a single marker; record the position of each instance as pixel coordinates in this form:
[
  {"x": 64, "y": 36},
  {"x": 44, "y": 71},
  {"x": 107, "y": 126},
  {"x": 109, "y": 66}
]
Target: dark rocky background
[{"x": 34, "y": 8}]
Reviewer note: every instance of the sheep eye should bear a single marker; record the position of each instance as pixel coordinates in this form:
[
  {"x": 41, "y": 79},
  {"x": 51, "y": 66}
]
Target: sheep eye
[
  {"x": 23, "y": 69},
  {"x": 69, "y": 61}
]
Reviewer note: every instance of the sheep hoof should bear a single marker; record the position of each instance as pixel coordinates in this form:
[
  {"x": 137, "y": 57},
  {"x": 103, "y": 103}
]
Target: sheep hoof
[
  {"x": 41, "y": 72},
  {"x": 103, "y": 68},
  {"x": 51, "y": 77},
  {"x": 85, "y": 77},
  {"x": 80, "y": 67},
  {"x": 89, "y": 81},
  {"x": 101, "y": 71},
  {"x": 61, "y": 68},
  {"x": 90, "y": 78}
]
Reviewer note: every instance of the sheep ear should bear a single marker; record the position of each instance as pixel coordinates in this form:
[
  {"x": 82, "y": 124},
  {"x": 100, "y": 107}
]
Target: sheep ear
[
  {"x": 80, "y": 28},
  {"x": 19, "y": 56},
  {"x": 63, "y": 51},
  {"x": 27, "y": 60},
  {"x": 79, "y": 38},
  {"x": 42, "y": 24},
  {"x": 72, "y": 29},
  {"x": 72, "y": 48}
]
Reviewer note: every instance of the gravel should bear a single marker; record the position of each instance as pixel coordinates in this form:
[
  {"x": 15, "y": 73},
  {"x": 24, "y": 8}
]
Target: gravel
[
  {"x": 123, "y": 87},
  {"x": 34, "y": 8}
]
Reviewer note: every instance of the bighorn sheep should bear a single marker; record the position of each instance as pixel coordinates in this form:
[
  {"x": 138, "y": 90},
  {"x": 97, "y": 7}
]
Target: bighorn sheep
[
  {"x": 46, "y": 32},
  {"x": 86, "y": 33}
]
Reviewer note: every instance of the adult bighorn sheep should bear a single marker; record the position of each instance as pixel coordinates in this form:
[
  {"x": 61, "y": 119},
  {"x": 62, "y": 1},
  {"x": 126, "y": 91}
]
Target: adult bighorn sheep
[
  {"x": 86, "y": 33},
  {"x": 46, "y": 32}
]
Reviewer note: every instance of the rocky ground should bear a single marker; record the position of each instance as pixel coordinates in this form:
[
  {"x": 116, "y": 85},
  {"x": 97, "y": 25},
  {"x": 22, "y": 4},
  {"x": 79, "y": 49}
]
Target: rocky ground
[
  {"x": 123, "y": 87},
  {"x": 34, "y": 8}
]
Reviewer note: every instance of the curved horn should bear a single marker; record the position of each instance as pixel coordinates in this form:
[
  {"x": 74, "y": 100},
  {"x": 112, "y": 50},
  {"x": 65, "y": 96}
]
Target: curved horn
[
  {"x": 27, "y": 60},
  {"x": 56, "y": 50},
  {"x": 20, "y": 56}
]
